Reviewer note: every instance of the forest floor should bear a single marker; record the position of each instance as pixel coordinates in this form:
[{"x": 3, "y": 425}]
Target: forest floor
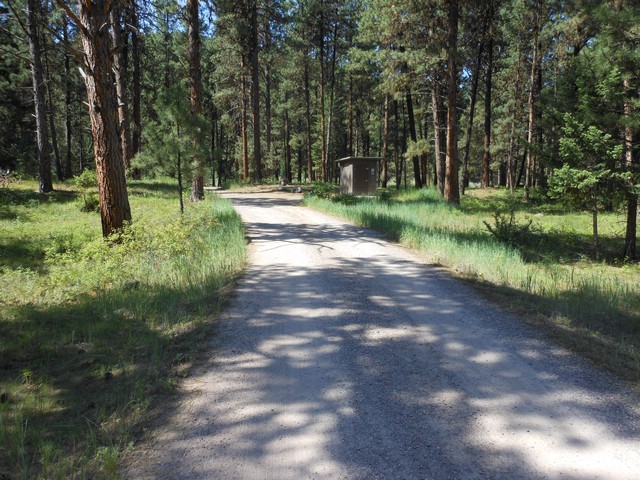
[{"x": 344, "y": 355}]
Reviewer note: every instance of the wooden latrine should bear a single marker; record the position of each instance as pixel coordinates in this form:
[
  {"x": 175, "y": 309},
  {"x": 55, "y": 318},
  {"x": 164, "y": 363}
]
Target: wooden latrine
[{"x": 358, "y": 175}]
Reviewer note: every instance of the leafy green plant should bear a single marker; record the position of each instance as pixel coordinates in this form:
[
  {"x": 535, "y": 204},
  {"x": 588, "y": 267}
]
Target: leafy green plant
[
  {"x": 87, "y": 182},
  {"x": 385, "y": 196},
  {"x": 322, "y": 190},
  {"x": 507, "y": 229},
  {"x": 345, "y": 199}
]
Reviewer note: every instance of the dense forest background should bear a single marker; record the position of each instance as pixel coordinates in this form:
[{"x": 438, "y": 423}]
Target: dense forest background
[{"x": 540, "y": 95}]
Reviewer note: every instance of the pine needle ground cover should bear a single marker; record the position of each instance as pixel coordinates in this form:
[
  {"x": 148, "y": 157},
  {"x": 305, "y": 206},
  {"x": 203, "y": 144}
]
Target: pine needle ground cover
[
  {"x": 536, "y": 260},
  {"x": 91, "y": 332}
]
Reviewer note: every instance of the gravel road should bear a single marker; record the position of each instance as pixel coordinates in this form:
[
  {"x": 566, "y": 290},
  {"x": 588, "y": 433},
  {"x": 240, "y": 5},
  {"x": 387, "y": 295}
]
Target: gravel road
[{"x": 344, "y": 356}]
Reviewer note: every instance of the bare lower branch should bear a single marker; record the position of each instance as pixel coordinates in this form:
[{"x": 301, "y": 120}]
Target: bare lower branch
[{"x": 72, "y": 16}]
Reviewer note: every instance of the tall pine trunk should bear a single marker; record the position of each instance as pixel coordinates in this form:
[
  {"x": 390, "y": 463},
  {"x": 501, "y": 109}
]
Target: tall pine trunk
[
  {"x": 385, "y": 143},
  {"x": 439, "y": 138},
  {"x": 180, "y": 185},
  {"x": 414, "y": 138},
  {"x": 451, "y": 187},
  {"x": 396, "y": 145},
  {"x": 472, "y": 109},
  {"x": 120, "y": 73},
  {"x": 195, "y": 94},
  {"x": 486, "y": 158},
  {"x": 307, "y": 99},
  {"x": 243, "y": 122},
  {"x": 350, "y": 147},
  {"x": 68, "y": 170},
  {"x": 102, "y": 101},
  {"x": 136, "y": 127},
  {"x": 42, "y": 133},
  {"x": 332, "y": 87},
  {"x": 512, "y": 153},
  {"x": 288, "y": 173},
  {"x": 255, "y": 94},
  {"x": 528, "y": 180},
  {"x": 323, "y": 148},
  {"x": 51, "y": 110},
  {"x": 631, "y": 161},
  {"x": 267, "y": 98},
  {"x": 267, "y": 115}
]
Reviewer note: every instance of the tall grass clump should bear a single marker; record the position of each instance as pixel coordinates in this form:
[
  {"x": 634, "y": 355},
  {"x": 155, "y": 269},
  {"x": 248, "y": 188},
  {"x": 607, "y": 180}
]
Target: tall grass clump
[
  {"x": 540, "y": 261},
  {"x": 93, "y": 331}
]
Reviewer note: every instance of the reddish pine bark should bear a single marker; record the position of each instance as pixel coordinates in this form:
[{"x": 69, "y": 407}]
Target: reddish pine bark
[
  {"x": 451, "y": 188},
  {"x": 101, "y": 98}
]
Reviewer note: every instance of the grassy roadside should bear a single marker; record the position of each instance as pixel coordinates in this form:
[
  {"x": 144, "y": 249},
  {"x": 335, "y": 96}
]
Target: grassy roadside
[
  {"x": 91, "y": 332},
  {"x": 545, "y": 269}
]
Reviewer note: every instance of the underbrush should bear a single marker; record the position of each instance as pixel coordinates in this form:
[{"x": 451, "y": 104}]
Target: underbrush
[
  {"x": 91, "y": 332},
  {"x": 540, "y": 263}
]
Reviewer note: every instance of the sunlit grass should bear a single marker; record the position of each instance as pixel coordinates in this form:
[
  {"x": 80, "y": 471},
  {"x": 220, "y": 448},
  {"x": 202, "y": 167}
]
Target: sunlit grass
[
  {"x": 91, "y": 332},
  {"x": 554, "y": 270}
]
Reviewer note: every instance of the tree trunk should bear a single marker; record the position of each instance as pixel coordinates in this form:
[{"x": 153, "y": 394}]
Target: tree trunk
[
  {"x": 300, "y": 164},
  {"x": 51, "y": 111},
  {"x": 243, "y": 122},
  {"x": 396, "y": 145},
  {"x": 594, "y": 222},
  {"x": 102, "y": 101},
  {"x": 631, "y": 227},
  {"x": 403, "y": 148},
  {"x": 630, "y": 162},
  {"x": 532, "y": 86},
  {"x": 195, "y": 94},
  {"x": 472, "y": 109},
  {"x": 511, "y": 162},
  {"x": 332, "y": 86},
  {"x": 523, "y": 165},
  {"x": 255, "y": 94},
  {"x": 307, "y": 98},
  {"x": 180, "y": 187},
  {"x": 350, "y": 149},
  {"x": 486, "y": 158},
  {"x": 214, "y": 145},
  {"x": 222, "y": 160},
  {"x": 323, "y": 151},
  {"x": 539, "y": 178},
  {"x": 287, "y": 146},
  {"x": 136, "y": 128},
  {"x": 414, "y": 138},
  {"x": 439, "y": 144},
  {"x": 385, "y": 143},
  {"x": 267, "y": 114},
  {"x": 451, "y": 187},
  {"x": 120, "y": 72},
  {"x": 68, "y": 170},
  {"x": 42, "y": 134},
  {"x": 267, "y": 97},
  {"x": 81, "y": 146}
]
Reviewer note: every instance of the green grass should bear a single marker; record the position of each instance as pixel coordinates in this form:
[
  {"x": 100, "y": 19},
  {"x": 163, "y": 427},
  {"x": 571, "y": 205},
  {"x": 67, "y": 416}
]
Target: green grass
[
  {"x": 92, "y": 333},
  {"x": 552, "y": 275}
]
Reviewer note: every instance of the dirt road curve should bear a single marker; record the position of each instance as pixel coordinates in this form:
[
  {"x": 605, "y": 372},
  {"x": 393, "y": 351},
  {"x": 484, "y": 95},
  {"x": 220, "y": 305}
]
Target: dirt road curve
[{"x": 345, "y": 356}]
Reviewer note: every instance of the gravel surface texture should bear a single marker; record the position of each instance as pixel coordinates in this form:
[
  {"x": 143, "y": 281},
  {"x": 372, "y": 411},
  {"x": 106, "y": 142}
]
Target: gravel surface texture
[{"x": 345, "y": 356}]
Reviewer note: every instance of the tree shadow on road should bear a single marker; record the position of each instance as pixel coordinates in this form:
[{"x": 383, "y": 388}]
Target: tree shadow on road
[{"x": 383, "y": 368}]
